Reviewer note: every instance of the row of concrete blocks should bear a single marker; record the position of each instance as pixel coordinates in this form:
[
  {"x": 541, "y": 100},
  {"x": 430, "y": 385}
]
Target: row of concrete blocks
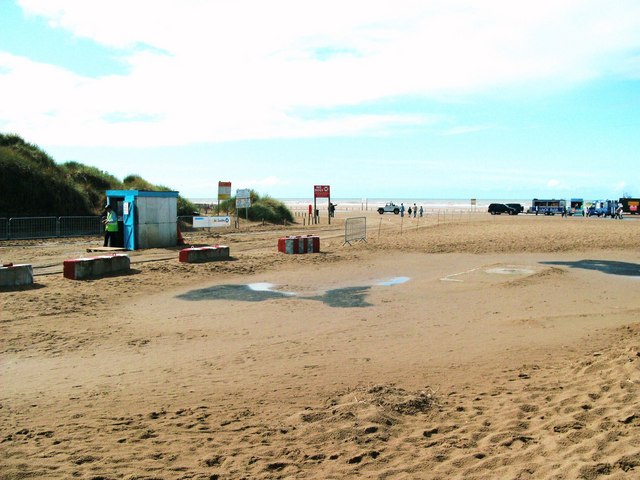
[
  {"x": 83, "y": 268},
  {"x": 299, "y": 244}
]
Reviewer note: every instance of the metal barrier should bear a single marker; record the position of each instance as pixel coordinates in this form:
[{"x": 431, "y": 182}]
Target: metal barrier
[
  {"x": 80, "y": 226},
  {"x": 355, "y": 230},
  {"x": 25, "y": 228}
]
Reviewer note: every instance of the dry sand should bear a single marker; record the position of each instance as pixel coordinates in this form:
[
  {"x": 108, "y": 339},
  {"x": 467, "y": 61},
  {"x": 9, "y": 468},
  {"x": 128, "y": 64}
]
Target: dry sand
[{"x": 464, "y": 347}]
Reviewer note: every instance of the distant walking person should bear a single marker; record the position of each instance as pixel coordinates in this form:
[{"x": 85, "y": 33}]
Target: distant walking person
[
  {"x": 415, "y": 210},
  {"x": 421, "y": 211},
  {"x": 110, "y": 226},
  {"x": 402, "y": 209},
  {"x": 332, "y": 209},
  {"x": 409, "y": 211}
]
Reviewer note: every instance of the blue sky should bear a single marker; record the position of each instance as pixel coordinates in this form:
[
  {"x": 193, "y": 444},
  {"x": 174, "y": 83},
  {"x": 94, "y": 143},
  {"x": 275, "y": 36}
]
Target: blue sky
[{"x": 403, "y": 99}]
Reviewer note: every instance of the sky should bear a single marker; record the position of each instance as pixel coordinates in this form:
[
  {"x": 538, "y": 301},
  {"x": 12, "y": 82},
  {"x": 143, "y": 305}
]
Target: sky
[{"x": 378, "y": 99}]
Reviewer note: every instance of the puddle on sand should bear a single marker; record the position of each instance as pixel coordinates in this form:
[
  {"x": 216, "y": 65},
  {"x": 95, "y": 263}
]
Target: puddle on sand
[
  {"x": 349, "y": 297},
  {"x": 606, "y": 266},
  {"x": 267, "y": 287},
  {"x": 393, "y": 281},
  {"x": 255, "y": 292}
]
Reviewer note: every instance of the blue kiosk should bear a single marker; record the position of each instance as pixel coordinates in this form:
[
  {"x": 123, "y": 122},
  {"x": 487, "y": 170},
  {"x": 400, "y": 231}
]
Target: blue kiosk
[{"x": 146, "y": 219}]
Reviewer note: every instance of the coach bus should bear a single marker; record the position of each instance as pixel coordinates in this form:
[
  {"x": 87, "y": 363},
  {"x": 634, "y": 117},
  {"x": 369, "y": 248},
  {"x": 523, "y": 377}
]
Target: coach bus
[{"x": 548, "y": 207}]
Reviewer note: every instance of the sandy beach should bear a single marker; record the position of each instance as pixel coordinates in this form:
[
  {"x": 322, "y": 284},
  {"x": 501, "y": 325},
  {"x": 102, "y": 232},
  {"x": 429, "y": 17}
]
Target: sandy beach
[{"x": 458, "y": 345}]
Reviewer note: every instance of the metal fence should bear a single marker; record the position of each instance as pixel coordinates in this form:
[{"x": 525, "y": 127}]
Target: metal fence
[
  {"x": 25, "y": 228},
  {"x": 355, "y": 230},
  {"x": 80, "y": 226}
]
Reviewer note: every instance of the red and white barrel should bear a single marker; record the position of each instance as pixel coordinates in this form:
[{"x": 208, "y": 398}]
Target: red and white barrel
[{"x": 299, "y": 244}]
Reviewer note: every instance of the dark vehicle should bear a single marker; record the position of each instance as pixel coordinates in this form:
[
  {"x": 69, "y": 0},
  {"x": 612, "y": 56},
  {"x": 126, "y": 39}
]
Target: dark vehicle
[
  {"x": 516, "y": 206},
  {"x": 548, "y": 207},
  {"x": 630, "y": 205},
  {"x": 499, "y": 208}
]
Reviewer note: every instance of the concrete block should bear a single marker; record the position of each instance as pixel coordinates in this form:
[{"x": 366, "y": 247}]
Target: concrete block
[
  {"x": 204, "y": 254},
  {"x": 15, "y": 275},
  {"x": 83, "y": 268},
  {"x": 299, "y": 244}
]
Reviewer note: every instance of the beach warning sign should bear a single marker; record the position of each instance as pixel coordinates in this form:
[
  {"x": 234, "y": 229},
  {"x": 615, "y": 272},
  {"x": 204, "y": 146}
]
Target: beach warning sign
[
  {"x": 321, "y": 191},
  {"x": 224, "y": 190}
]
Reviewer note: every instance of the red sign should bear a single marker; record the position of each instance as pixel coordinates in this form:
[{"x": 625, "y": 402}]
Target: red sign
[{"x": 321, "y": 191}]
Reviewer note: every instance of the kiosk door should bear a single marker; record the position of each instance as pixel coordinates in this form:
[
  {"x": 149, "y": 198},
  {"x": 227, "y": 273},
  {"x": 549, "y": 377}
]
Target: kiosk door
[
  {"x": 128, "y": 222},
  {"x": 116, "y": 203}
]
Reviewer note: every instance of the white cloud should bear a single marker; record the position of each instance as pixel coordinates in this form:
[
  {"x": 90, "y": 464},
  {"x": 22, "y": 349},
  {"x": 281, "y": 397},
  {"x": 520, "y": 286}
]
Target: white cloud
[
  {"x": 553, "y": 183},
  {"x": 220, "y": 71}
]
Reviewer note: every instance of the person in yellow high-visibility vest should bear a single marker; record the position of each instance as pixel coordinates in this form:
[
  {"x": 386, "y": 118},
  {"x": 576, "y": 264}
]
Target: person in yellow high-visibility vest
[{"x": 110, "y": 226}]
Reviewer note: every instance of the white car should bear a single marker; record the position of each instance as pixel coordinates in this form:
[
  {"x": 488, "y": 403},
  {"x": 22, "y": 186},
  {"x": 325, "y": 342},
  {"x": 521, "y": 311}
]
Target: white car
[{"x": 389, "y": 208}]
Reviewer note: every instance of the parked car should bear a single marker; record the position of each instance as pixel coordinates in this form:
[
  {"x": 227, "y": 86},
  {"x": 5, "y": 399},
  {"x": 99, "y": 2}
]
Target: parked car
[
  {"x": 390, "y": 207},
  {"x": 517, "y": 207},
  {"x": 499, "y": 208}
]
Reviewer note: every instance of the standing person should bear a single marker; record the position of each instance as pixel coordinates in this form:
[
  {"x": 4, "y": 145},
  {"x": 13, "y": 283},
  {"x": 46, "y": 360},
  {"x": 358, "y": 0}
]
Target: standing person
[
  {"x": 421, "y": 211},
  {"x": 402, "y": 209},
  {"x": 110, "y": 226},
  {"x": 415, "y": 210},
  {"x": 409, "y": 211}
]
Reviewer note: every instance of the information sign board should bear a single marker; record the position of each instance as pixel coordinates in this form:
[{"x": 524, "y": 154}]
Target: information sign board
[
  {"x": 321, "y": 191},
  {"x": 243, "y": 202},
  {"x": 243, "y": 193},
  {"x": 211, "y": 222},
  {"x": 224, "y": 190}
]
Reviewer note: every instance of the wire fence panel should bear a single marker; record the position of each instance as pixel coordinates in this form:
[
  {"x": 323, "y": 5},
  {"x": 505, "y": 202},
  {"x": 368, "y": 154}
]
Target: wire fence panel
[
  {"x": 4, "y": 228},
  {"x": 355, "y": 230},
  {"x": 23, "y": 228},
  {"x": 80, "y": 226}
]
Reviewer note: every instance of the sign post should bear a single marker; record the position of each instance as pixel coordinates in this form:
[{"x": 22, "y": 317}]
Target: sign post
[
  {"x": 224, "y": 192},
  {"x": 243, "y": 200},
  {"x": 322, "y": 191}
]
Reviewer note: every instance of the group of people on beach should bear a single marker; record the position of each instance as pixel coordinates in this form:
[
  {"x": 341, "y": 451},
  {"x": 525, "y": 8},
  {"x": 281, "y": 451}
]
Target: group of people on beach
[{"x": 412, "y": 210}]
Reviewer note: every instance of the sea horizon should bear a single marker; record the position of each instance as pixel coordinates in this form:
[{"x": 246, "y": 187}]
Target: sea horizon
[{"x": 374, "y": 203}]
